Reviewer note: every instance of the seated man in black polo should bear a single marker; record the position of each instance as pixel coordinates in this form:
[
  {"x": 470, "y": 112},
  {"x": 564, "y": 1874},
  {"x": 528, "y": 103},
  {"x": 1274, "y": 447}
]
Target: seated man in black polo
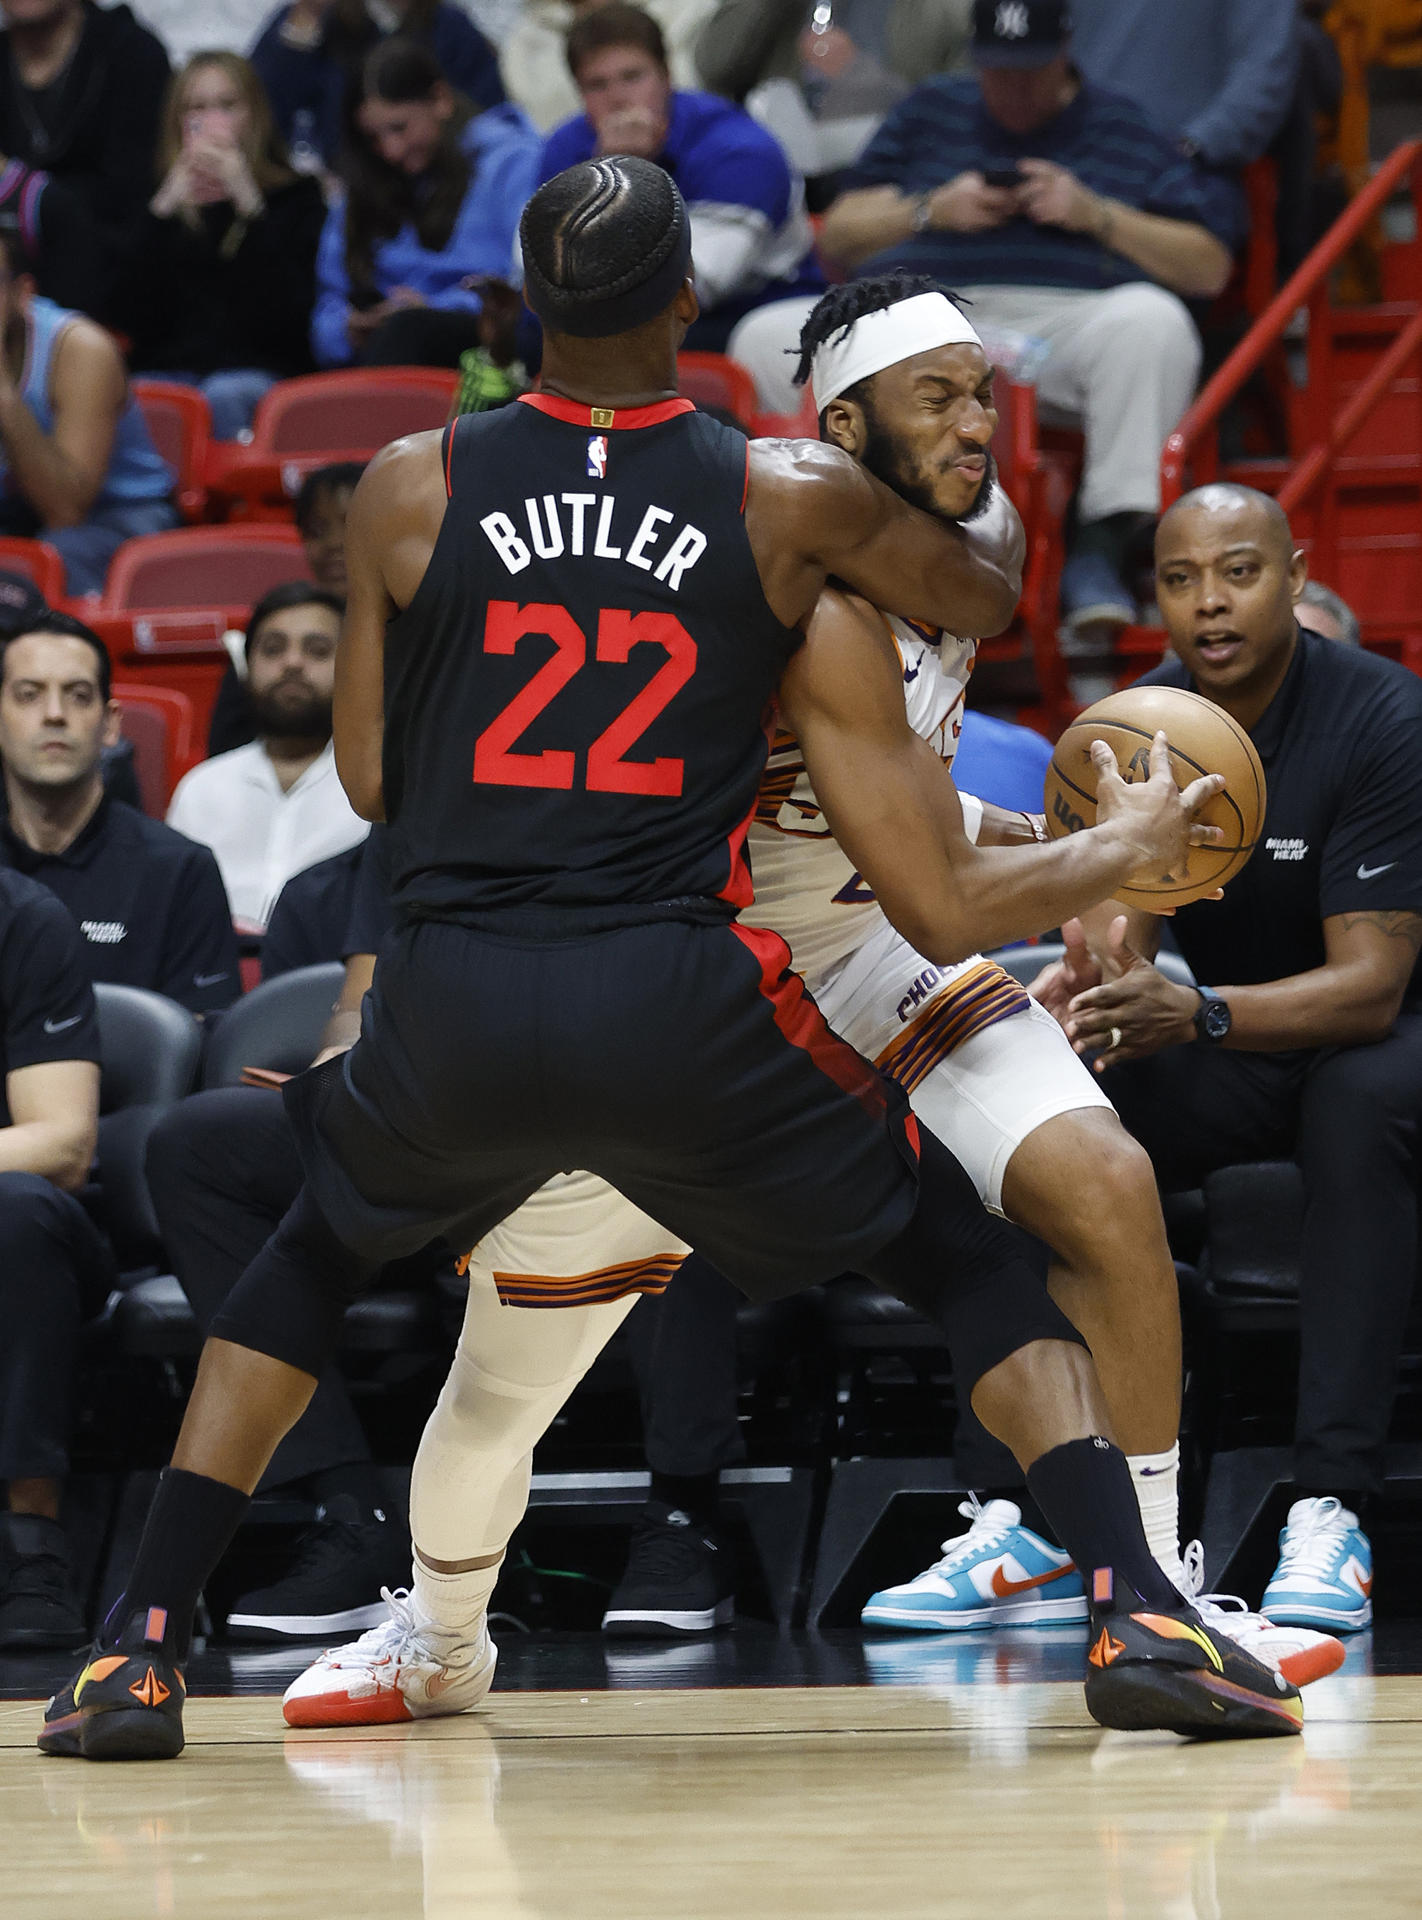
[
  {"x": 54, "y": 1264},
  {"x": 149, "y": 902},
  {"x": 1315, "y": 1052},
  {"x": 222, "y": 1170}
]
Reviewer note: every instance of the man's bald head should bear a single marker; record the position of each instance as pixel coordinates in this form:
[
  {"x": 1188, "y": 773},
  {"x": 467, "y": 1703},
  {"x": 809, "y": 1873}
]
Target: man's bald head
[
  {"x": 1226, "y": 578},
  {"x": 1224, "y": 505}
]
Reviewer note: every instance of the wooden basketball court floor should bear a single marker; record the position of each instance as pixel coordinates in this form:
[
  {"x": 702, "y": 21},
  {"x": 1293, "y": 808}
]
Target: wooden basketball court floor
[{"x": 963, "y": 1789}]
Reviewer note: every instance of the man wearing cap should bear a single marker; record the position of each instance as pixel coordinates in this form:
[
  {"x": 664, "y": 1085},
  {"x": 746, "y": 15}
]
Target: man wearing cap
[{"x": 1060, "y": 213}]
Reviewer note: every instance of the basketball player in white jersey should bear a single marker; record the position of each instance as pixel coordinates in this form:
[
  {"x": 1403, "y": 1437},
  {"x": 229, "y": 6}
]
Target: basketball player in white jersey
[{"x": 902, "y": 382}]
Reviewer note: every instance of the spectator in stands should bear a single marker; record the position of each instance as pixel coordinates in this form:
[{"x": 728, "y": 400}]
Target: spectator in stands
[
  {"x": 751, "y": 236},
  {"x": 54, "y": 1264},
  {"x": 267, "y": 809},
  {"x": 1323, "y": 611},
  {"x": 76, "y": 461},
  {"x": 219, "y": 286},
  {"x": 22, "y": 610},
  {"x": 1316, "y": 1053},
  {"x": 534, "y": 58},
  {"x": 320, "y": 510},
  {"x": 56, "y": 230},
  {"x": 309, "y": 58},
  {"x": 434, "y": 194},
  {"x": 149, "y": 904},
  {"x": 1058, "y": 211},
  {"x": 223, "y": 1169},
  {"x": 1216, "y": 77},
  {"x": 81, "y": 89},
  {"x": 822, "y": 88}
]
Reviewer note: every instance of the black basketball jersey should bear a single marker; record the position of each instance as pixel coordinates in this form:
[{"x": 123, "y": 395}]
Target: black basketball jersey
[{"x": 577, "y": 697}]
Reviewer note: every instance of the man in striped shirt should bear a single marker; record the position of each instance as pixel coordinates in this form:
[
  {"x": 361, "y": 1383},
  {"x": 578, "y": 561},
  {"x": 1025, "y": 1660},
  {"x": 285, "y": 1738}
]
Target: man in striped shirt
[{"x": 1059, "y": 213}]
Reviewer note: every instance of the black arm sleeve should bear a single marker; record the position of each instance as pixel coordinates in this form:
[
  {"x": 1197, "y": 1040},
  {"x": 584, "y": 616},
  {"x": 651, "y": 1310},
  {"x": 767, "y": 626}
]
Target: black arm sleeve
[{"x": 370, "y": 917}]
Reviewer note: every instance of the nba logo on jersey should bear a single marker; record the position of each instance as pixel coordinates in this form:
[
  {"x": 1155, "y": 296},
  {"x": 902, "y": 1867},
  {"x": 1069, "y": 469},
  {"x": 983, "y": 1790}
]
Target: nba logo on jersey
[{"x": 597, "y": 457}]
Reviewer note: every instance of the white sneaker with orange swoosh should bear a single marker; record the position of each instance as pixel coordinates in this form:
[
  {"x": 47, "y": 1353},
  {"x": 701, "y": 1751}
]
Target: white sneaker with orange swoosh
[
  {"x": 1325, "y": 1573},
  {"x": 997, "y": 1574},
  {"x": 405, "y": 1669}
]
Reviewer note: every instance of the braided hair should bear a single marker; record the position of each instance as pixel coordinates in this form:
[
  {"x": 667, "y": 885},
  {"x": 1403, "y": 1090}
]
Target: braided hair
[
  {"x": 606, "y": 246},
  {"x": 837, "y": 312}
]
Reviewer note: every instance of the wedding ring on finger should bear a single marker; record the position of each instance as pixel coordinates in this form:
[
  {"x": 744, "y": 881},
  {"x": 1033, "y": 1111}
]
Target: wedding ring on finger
[{"x": 1115, "y": 1039}]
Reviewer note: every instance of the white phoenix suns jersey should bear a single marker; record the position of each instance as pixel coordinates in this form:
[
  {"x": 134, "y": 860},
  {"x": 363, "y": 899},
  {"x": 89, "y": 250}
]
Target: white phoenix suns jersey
[{"x": 806, "y": 890}]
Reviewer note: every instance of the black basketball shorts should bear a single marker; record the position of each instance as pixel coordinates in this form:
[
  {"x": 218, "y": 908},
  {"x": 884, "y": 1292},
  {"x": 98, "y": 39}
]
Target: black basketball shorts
[{"x": 683, "y": 1063}]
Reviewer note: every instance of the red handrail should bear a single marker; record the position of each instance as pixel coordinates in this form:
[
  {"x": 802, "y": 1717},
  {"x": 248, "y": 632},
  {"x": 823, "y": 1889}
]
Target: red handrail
[
  {"x": 1307, "y": 283},
  {"x": 1315, "y": 463}
]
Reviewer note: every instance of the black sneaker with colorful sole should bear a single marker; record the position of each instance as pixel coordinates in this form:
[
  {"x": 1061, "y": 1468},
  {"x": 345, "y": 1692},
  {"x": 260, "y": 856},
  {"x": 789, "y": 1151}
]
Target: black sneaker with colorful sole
[
  {"x": 1148, "y": 1670},
  {"x": 126, "y": 1701}
]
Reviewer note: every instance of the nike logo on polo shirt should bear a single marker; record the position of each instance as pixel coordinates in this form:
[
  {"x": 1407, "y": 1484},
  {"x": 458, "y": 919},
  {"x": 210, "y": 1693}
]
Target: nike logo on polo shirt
[
  {"x": 1371, "y": 873},
  {"x": 207, "y": 979},
  {"x": 58, "y": 1026}
]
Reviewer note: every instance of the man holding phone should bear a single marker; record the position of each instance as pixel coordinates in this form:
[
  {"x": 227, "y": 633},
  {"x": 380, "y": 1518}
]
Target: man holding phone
[{"x": 1058, "y": 211}]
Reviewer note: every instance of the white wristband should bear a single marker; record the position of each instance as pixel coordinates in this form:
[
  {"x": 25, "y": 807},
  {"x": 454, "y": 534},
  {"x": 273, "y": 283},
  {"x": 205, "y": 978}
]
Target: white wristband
[{"x": 972, "y": 815}]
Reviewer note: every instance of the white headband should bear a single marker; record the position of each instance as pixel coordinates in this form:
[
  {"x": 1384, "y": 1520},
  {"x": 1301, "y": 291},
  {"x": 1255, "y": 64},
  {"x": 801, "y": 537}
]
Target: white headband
[{"x": 882, "y": 339}]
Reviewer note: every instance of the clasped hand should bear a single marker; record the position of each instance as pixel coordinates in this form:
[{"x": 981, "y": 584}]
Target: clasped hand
[{"x": 1118, "y": 1007}]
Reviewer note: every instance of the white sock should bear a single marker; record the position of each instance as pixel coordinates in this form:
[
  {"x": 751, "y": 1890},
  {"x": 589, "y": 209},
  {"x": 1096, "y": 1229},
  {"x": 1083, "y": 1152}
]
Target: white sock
[
  {"x": 1156, "y": 1479},
  {"x": 455, "y": 1603}
]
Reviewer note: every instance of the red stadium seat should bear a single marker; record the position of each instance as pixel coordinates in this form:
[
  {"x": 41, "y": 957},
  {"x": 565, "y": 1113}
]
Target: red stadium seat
[
  {"x": 38, "y": 561},
  {"x": 162, "y": 727},
  {"x": 711, "y": 380},
  {"x": 324, "y": 417},
  {"x": 180, "y": 423},
  {"x": 203, "y": 567},
  {"x": 801, "y": 425},
  {"x": 179, "y": 592}
]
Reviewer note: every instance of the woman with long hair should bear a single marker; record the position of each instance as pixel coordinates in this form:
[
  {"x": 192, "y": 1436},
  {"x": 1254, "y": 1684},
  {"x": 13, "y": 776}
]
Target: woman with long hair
[
  {"x": 433, "y": 196},
  {"x": 309, "y": 54},
  {"x": 219, "y": 286}
]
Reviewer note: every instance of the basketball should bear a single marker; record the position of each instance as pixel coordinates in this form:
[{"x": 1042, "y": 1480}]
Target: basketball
[{"x": 1203, "y": 739}]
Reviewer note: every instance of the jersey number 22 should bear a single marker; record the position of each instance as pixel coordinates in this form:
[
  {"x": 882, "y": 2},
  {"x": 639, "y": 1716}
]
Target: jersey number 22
[{"x": 608, "y": 770}]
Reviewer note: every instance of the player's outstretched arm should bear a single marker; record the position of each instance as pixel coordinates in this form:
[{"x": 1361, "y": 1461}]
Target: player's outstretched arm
[
  {"x": 813, "y": 512},
  {"x": 892, "y": 806},
  {"x": 394, "y": 519}
]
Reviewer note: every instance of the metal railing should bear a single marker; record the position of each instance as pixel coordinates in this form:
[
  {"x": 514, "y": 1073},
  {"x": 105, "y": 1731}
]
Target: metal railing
[{"x": 1195, "y": 442}]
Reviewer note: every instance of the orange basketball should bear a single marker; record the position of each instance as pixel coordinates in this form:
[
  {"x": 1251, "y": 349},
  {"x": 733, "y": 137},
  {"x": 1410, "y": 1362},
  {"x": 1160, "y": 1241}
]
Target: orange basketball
[{"x": 1203, "y": 739}]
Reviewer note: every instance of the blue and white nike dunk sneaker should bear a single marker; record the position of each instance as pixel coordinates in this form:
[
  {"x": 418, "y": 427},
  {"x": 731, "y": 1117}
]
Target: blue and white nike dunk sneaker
[
  {"x": 997, "y": 1574},
  {"x": 1325, "y": 1573}
]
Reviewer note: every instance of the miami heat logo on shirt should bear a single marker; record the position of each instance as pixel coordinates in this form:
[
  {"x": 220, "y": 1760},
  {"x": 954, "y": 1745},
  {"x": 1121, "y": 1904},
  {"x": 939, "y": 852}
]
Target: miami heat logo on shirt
[{"x": 597, "y": 457}]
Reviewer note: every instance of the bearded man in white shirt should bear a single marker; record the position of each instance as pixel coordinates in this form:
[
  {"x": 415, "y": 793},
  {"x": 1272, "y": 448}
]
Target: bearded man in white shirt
[{"x": 275, "y": 807}]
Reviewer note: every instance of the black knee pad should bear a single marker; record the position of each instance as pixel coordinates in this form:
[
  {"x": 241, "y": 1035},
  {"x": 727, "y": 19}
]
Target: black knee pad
[
  {"x": 968, "y": 1272},
  {"x": 289, "y": 1302}
]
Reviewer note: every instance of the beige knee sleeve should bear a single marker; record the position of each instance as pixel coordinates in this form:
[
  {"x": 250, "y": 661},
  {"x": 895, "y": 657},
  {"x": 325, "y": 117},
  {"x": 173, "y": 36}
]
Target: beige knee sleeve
[{"x": 513, "y": 1369}]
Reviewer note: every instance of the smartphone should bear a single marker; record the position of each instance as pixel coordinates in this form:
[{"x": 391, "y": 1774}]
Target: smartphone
[{"x": 1003, "y": 175}]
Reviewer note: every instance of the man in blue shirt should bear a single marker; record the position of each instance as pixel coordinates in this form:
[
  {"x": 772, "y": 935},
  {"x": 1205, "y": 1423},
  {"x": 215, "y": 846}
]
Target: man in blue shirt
[
  {"x": 1060, "y": 213},
  {"x": 751, "y": 239}
]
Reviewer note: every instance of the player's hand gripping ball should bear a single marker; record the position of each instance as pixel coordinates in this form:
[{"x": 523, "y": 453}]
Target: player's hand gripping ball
[{"x": 1203, "y": 739}]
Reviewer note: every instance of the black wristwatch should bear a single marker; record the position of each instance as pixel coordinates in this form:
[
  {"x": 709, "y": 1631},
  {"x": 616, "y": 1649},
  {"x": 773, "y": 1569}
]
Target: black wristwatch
[{"x": 1212, "y": 1017}]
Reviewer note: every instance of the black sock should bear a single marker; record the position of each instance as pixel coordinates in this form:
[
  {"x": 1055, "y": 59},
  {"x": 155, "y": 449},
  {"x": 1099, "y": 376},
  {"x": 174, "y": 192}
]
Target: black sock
[
  {"x": 358, "y": 1480},
  {"x": 1085, "y": 1486},
  {"x": 189, "y": 1527},
  {"x": 1033, "y": 1517},
  {"x": 696, "y": 1494}
]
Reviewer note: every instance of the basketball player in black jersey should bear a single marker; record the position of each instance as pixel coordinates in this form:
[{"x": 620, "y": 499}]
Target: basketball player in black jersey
[{"x": 566, "y": 624}]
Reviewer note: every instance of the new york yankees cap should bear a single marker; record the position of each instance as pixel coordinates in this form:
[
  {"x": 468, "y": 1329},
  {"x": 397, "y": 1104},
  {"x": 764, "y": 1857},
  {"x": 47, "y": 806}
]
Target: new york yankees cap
[{"x": 1019, "y": 33}]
